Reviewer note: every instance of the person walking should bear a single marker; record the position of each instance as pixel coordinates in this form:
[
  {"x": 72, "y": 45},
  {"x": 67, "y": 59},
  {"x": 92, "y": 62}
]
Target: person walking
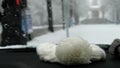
[{"x": 12, "y": 33}]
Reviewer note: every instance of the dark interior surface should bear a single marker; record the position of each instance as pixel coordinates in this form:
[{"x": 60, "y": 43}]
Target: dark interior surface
[{"x": 27, "y": 58}]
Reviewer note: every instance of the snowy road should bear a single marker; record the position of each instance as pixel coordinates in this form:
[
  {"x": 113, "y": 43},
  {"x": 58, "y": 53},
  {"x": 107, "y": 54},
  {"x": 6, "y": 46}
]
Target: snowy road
[{"x": 98, "y": 34}]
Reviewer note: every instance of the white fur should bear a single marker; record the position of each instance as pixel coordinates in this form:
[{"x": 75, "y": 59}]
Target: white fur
[
  {"x": 97, "y": 53},
  {"x": 73, "y": 51},
  {"x": 70, "y": 51},
  {"x": 46, "y": 52}
]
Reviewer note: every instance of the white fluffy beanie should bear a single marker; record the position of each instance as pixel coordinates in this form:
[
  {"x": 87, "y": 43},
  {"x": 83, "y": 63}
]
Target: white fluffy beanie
[
  {"x": 74, "y": 50},
  {"x": 70, "y": 51}
]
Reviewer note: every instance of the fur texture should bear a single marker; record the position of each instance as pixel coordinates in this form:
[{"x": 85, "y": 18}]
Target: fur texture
[
  {"x": 97, "y": 53},
  {"x": 46, "y": 52},
  {"x": 73, "y": 51},
  {"x": 70, "y": 51}
]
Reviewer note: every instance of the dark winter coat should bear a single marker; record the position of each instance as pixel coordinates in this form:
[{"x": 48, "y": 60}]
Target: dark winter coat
[
  {"x": 13, "y": 4},
  {"x": 9, "y": 4},
  {"x": 12, "y": 33}
]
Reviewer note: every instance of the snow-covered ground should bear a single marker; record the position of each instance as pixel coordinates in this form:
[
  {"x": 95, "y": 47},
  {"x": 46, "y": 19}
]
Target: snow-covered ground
[{"x": 98, "y": 34}]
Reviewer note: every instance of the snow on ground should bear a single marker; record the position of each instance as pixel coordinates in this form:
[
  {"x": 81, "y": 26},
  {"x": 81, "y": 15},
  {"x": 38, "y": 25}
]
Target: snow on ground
[
  {"x": 98, "y": 34},
  {"x": 45, "y": 26},
  {"x": 14, "y": 47},
  {"x": 50, "y": 37}
]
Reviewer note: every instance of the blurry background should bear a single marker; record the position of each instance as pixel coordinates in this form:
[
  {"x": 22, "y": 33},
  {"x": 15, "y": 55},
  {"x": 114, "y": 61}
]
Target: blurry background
[
  {"x": 81, "y": 11},
  {"x": 74, "y": 12},
  {"x": 107, "y": 11}
]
